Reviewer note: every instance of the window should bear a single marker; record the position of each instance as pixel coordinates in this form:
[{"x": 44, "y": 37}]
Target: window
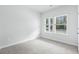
[
  {"x": 56, "y": 24},
  {"x": 61, "y": 24},
  {"x": 49, "y": 24}
]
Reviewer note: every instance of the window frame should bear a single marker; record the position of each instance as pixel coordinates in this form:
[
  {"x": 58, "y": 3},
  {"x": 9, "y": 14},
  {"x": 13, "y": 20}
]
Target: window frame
[
  {"x": 49, "y": 24},
  {"x": 54, "y": 24},
  {"x": 62, "y": 24}
]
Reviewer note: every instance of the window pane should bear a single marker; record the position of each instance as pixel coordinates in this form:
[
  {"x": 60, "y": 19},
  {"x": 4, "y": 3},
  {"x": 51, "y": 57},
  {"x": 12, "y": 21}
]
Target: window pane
[
  {"x": 51, "y": 20},
  {"x": 46, "y": 21},
  {"x": 51, "y": 27},
  {"x": 61, "y": 28},
  {"x": 47, "y": 27},
  {"x": 61, "y": 20}
]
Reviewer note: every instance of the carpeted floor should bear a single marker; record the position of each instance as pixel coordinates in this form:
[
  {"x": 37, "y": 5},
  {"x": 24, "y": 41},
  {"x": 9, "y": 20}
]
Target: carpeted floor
[{"x": 40, "y": 46}]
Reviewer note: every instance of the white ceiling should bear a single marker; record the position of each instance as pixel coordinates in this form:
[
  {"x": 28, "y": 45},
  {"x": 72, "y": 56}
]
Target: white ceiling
[{"x": 41, "y": 8}]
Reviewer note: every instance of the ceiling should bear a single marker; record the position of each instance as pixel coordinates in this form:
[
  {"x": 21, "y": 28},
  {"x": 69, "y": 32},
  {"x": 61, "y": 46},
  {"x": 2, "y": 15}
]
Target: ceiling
[{"x": 41, "y": 8}]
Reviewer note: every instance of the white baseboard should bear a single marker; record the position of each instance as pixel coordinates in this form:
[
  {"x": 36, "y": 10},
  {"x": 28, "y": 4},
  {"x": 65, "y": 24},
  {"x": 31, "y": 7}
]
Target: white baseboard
[
  {"x": 33, "y": 36},
  {"x": 62, "y": 42},
  {"x": 19, "y": 42}
]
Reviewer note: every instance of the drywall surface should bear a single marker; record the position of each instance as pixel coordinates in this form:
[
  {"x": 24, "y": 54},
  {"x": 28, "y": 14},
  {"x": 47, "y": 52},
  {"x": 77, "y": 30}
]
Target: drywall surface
[
  {"x": 78, "y": 28},
  {"x": 71, "y": 35},
  {"x": 17, "y": 23}
]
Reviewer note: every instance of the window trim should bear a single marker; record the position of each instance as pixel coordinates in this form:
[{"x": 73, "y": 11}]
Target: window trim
[{"x": 54, "y": 24}]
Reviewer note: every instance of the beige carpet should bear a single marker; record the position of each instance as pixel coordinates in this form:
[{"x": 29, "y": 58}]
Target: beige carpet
[{"x": 40, "y": 46}]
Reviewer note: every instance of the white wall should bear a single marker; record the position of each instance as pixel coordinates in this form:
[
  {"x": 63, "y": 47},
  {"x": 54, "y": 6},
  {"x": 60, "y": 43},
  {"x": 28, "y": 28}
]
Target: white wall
[
  {"x": 71, "y": 37},
  {"x": 78, "y": 28},
  {"x": 17, "y": 23}
]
